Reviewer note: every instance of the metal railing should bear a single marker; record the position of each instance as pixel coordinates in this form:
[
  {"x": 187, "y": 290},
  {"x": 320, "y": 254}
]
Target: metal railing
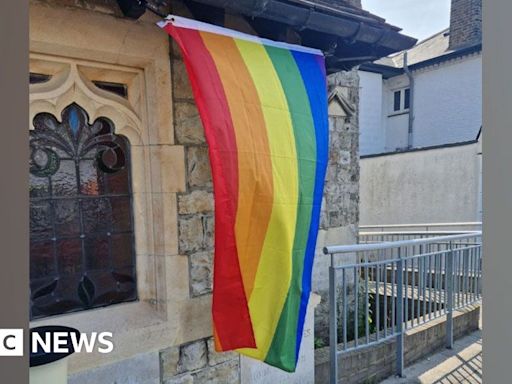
[
  {"x": 400, "y": 235},
  {"x": 391, "y": 287},
  {"x": 427, "y": 227},
  {"x": 381, "y": 236}
]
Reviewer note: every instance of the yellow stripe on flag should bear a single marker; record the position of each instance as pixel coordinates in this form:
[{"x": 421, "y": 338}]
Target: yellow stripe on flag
[{"x": 273, "y": 277}]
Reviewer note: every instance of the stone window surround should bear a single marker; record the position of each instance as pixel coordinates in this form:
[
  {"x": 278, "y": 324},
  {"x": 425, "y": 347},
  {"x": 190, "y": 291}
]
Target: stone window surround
[{"x": 77, "y": 46}]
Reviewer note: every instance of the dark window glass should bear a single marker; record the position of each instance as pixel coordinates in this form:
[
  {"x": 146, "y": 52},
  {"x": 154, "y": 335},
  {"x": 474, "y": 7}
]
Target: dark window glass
[
  {"x": 117, "y": 88},
  {"x": 396, "y": 101},
  {"x": 82, "y": 252},
  {"x": 407, "y": 97},
  {"x": 36, "y": 78}
]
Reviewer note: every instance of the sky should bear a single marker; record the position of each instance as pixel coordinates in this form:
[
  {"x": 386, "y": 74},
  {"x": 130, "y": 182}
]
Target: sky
[{"x": 417, "y": 18}]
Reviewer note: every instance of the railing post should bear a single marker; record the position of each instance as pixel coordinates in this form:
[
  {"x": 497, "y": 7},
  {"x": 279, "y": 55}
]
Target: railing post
[
  {"x": 449, "y": 297},
  {"x": 333, "y": 324},
  {"x": 400, "y": 315}
]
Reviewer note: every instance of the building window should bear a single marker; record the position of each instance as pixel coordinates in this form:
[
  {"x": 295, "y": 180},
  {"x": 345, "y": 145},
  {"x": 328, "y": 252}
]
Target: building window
[
  {"x": 82, "y": 251},
  {"x": 401, "y": 100},
  {"x": 397, "y": 101},
  {"x": 407, "y": 98}
]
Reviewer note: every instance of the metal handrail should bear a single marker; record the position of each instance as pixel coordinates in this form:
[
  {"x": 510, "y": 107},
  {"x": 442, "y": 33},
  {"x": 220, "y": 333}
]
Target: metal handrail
[
  {"x": 423, "y": 225},
  {"x": 418, "y": 281},
  {"x": 419, "y": 233},
  {"x": 332, "y": 249}
]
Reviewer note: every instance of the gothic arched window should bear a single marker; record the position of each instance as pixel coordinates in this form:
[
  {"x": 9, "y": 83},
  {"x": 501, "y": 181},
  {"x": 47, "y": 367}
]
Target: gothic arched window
[{"x": 82, "y": 245}]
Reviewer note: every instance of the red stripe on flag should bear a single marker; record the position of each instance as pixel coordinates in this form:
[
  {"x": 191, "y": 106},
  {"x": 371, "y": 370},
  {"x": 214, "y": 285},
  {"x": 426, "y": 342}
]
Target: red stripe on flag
[{"x": 230, "y": 311}]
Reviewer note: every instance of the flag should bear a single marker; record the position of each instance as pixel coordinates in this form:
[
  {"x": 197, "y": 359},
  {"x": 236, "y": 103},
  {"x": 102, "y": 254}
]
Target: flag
[{"x": 263, "y": 105}]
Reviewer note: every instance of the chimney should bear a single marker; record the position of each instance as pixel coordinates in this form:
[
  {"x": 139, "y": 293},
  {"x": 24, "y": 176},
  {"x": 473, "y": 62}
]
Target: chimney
[
  {"x": 465, "y": 23},
  {"x": 354, "y": 3}
]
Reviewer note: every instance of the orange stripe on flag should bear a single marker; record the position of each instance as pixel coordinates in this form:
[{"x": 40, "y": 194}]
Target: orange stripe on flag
[{"x": 255, "y": 195}]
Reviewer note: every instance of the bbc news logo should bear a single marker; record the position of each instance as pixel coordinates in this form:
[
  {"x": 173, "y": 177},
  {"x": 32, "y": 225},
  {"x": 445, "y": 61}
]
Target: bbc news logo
[
  {"x": 56, "y": 340},
  {"x": 11, "y": 342}
]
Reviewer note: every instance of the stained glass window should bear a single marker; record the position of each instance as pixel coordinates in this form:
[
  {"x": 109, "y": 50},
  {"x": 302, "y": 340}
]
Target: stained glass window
[{"x": 82, "y": 241}]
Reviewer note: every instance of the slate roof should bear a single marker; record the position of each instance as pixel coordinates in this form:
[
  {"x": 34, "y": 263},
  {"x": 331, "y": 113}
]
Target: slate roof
[
  {"x": 433, "y": 50},
  {"x": 432, "y": 47}
]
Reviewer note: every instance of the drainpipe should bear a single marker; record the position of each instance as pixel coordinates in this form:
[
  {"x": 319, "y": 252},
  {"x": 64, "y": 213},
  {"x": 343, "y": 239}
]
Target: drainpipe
[{"x": 411, "y": 102}]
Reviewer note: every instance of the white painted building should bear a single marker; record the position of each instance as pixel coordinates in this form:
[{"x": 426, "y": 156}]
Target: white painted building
[
  {"x": 420, "y": 124},
  {"x": 441, "y": 105}
]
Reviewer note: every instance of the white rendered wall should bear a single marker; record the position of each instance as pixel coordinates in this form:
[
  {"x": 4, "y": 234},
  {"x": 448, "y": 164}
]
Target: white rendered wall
[
  {"x": 397, "y": 132},
  {"x": 448, "y": 103},
  {"x": 430, "y": 186},
  {"x": 396, "y": 125},
  {"x": 447, "y": 107},
  {"x": 372, "y": 133}
]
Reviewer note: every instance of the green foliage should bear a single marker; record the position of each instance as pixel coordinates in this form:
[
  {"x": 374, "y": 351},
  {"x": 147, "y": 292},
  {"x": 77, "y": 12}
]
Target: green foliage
[
  {"x": 319, "y": 343},
  {"x": 361, "y": 314}
]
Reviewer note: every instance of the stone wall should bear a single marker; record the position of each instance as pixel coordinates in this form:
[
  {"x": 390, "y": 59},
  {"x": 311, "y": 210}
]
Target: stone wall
[
  {"x": 465, "y": 23},
  {"x": 340, "y": 206},
  {"x": 197, "y": 362},
  {"x": 371, "y": 365},
  {"x": 195, "y": 205}
]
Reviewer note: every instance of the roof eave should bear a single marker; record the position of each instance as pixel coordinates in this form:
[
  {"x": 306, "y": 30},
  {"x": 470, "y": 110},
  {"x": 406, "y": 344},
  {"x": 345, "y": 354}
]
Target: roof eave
[
  {"x": 346, "y": 39},
  {"x": 385, "y": 70},
  {"x": 389, "y": 71},
  {"x": 447, "y": 57}
]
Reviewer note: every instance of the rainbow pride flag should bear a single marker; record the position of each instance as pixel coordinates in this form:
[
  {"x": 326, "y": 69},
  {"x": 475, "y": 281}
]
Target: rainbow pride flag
[{"x": 263, "y": 105}]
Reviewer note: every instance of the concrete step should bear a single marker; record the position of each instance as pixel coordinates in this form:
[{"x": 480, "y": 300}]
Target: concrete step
[{"x": 462, "y": 364}]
